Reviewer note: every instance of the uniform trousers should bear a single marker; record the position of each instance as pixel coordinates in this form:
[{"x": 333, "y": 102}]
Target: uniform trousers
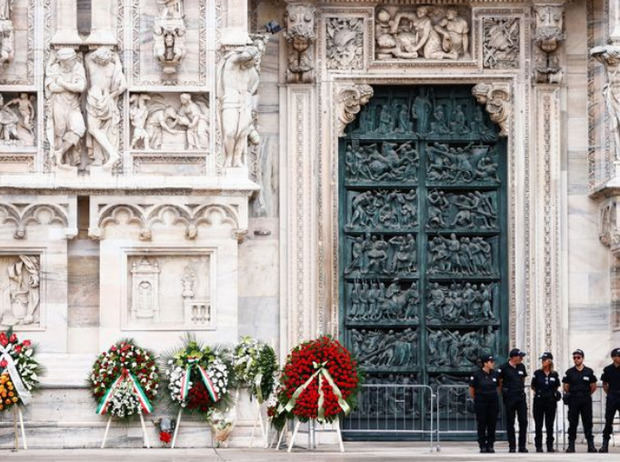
[
  {"x": 544, "y": 413},
  {"x": 486, "y": 408},
  {"x": 579, "y": 405},
  {"x": 516, "y": 405},
  {"x": 611, "y": 407}
]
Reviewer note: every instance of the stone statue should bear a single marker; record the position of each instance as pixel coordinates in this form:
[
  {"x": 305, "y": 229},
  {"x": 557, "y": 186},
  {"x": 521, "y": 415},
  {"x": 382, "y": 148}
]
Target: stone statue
[
  {"x": 138, "y": 113},
  {"x": 65, "y": 81},
  {"x": 8, "y": 122},
  {"x": 300, "y": 38},
  {"x": 194, "y": 116},
  {"x": 609, "y": 56},
  {"x": 7, "y": 37},
  {"x": 237, "y": 90},
  {"x": 548, "y": 36},
  {"x": 24, "y": 104},
  {"x": 169, "y": 35},
  {"x": 106, "y": 84},
  {"x": 21, "y": 298}
]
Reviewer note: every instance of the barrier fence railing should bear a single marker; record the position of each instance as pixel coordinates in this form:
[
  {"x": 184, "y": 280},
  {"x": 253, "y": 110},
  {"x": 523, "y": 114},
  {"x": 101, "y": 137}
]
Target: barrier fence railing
[{"x": 399, "y": 410}]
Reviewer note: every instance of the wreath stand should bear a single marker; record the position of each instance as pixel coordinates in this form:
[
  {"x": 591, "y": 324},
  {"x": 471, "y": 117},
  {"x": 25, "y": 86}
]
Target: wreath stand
[
  {"x": 264, "y": 429},
  {"x": 312, "y": 431},
  {"x": 144, "y": 434},
  {"x": 17, "y": 414}
]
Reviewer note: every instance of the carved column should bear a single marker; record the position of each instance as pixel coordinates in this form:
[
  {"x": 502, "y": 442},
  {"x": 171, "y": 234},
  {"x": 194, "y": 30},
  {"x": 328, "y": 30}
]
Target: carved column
[
  {"x": 103, "y": 23},
  {"x": 66, "y": 23},
  {"x": 235, "y": 30}
]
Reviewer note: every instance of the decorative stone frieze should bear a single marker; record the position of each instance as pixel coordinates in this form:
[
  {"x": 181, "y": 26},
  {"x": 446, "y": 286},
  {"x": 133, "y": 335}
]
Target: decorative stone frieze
[
  {"x": 548, "y": 35},
  {"x": 500, "y": 42},
  {"x": 497, "y": 101},
  {"x": 350, "y": 100},
  {"x": 300, "y": 37},
  {"x": 344, "y": 43}
]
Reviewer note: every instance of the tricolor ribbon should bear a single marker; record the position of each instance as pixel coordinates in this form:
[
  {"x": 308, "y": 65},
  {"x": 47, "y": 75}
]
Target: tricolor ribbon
[
  {"x": 185, "y": 382},
  {"x": 125, "y": 375},
  {"x": 323, "y": 374},
  {"x": 20, "y": 387}
]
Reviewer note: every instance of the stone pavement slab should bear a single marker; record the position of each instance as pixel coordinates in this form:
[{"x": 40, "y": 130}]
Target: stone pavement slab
[{"x": 367, "y": 451}]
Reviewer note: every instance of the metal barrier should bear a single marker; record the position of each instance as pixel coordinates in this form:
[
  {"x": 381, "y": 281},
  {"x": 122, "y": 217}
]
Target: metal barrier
[{"x": 392, "y": 409}]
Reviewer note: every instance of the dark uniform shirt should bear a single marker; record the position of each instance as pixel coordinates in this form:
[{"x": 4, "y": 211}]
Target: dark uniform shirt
[
  {"x": 513, "y": 382},
  {"x": 484, "y": 384},
  {"x": 579, "y": 381},
  {"x": 545, "y": 385},
  {"x": 611, "y": 375}
]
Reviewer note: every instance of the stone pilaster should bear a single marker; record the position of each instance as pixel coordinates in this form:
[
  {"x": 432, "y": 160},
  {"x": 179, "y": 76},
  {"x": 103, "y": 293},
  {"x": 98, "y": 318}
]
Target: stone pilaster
[{"x": 66, "y": 23}]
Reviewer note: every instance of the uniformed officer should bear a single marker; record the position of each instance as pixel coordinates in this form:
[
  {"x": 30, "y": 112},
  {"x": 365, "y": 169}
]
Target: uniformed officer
[
  {"x": 579, "y": 384},
  {"x": 545, "y": 383},
  {"x": 483, "y": 389},
  {"x": 512, "y": 384},
  {"x": 611, "y": 386}
]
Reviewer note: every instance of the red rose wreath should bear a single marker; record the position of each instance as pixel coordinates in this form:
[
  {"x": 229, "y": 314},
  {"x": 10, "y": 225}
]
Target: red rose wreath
[{"x": 319, "y": 381}]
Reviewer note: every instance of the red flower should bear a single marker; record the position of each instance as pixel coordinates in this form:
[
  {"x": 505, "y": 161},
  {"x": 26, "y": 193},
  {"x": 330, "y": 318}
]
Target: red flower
[
  {"x": 3, "y": 340},
  {"x": 26, "y": 343},
  {"x": 3, "y": 364},
  {"x": 13, "y": 338},
  {"x": 18, "y": 348},
  {"x": 165, "y": 437}
]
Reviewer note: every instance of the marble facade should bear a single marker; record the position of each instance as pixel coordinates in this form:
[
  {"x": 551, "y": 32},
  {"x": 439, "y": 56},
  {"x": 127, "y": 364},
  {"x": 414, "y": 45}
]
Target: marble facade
[{"x": 169, "y": 167}]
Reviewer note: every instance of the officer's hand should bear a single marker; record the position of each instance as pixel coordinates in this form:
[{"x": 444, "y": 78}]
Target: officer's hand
[
  {"x": 566, "y": 398},
  {"x": 469, "y": 405}
]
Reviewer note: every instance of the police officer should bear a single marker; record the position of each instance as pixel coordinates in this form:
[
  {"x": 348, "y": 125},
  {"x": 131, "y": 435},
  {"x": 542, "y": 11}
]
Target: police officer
[
  {"x": 545, "y": 383},
  {"x": 611, "y": 386},
  {"x": 579, "y": 384},
  {"x": 483, "y": 389},
  {"x": 512, "y": 384}
]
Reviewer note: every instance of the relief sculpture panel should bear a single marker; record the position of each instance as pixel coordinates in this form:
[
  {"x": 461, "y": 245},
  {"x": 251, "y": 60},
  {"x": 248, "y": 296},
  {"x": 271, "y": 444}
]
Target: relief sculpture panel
[{"x": 19, "y": 289}]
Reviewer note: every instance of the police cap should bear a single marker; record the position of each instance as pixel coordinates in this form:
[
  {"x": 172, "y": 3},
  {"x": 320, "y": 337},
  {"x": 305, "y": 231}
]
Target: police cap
[
  {"x": 546, "y": 355},
  {"x": 516, "y": 352}
]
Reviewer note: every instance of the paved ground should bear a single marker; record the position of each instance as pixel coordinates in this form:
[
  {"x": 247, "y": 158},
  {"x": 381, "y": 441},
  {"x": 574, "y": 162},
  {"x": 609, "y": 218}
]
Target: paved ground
[{"x": 354, "y": 452}]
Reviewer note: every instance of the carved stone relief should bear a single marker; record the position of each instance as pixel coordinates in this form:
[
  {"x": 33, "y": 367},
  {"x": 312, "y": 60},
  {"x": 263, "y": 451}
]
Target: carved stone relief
[
  {"x": 497, "y": 99},
  {"x": 300, "y": 37},
  {"x": 549, "y": 33},
  {"x": 238, "y": 79},
  {"x": 350, "y": 100},
  {"x": 500, "y": 43},
  {"x": 169, "y": 121},
  {"x": 19, "y": 290},
  {"x": 169, "y": 35},
  {"x": 609, "y": 56},
  {"x": 426, "y": 32},
  {"x": 344, "y": 43},
  {"x": 17, "y": 119},
  {"x": 7, "y": 37}
]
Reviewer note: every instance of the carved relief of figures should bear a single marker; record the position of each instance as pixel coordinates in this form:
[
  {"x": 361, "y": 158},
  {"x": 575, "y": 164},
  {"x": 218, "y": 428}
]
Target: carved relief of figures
[
  {"x": 20, "y": 297},
  {"x": 238, "y": 81},
  {"x": 609, "y": 56},
  {"x": 387, "y": 209},
  {"x": 156, "y": 123},
  {"x": 7, "y": 37},
  {"x": 344, "y": 47},
  {"x": 456, "y": 349},
  {"x": 106, "y": 84},
  {"x": 468, "y": 164},
  {"x": 17, "y": 118},
  {"x": 500, "y": 43},
  {"x": 169, "y": 35},
  {"x": 460, "y": 303},
  {"x": 468, "y": 211},
  {"x": 65, "y": 80},
  {"x": 377, "y": 349},
  {"x": 465, "y": 256},
  {"x": 372, "y": 301},
  {"x": 300, "y": 37},
  {"x": 373, "y": 254},
  {"x": 549, "y": 33},
  {"x": 382, "y": 162},
  {"x": 426, "y": 32}
]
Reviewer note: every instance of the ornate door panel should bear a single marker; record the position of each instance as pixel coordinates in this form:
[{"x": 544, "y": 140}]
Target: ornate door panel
[{"x": 422, "y": 238}]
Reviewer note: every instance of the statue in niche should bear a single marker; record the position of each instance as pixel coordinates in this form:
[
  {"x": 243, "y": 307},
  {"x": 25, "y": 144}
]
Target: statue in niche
[
  {"x": 24, "y": 104},
  {"x": 21, "y": 297},
  {"x": 106, "y": 85},
  {"x": 8, "y": 122},
  {"x": 145, "y": 290},
  {"x": 169, "y": 35},
  {"x": 65, "y": 80},
  {"x": 609, "y": 56},
  {"x": 300, "y": 37},
  {"x": 138, "y": 113},
  {"x": 7, "y": 36},
  {"x": 194, "y": 116},
  {"x": 421, "y": 111},
  {"x": 237, "y": 87}
]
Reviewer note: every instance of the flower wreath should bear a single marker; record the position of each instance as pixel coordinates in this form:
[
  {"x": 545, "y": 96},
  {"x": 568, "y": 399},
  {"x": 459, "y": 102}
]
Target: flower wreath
[
  {"x": 19, "y": 371},
  {"x": 124, "y": 380},
  {"x": 319, "y": 381},
  {"x": 256, "y": 367},
  {"x": 199, "y": 378}
]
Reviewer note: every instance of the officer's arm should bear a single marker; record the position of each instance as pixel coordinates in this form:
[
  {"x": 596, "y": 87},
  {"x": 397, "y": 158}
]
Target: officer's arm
[
  {"x": 472, "y": 392},
  {"x": 566, "y": 388},
  {"x": 592, "y": 387},
  {"x": 606, "y": 387}
]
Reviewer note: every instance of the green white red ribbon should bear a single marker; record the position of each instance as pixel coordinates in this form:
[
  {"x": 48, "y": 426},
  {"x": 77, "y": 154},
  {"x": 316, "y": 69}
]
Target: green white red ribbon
[
  {"x": 20, "y": 387},
  {"x": 125, "y": 375},
  {"x": 185, "y": 382},
  {"x": 322, "y": 374}
]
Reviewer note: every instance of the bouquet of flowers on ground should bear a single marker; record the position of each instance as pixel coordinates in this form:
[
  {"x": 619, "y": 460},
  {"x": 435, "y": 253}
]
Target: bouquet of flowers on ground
[
  {"x": 199, "y": 378},
  {"x": 19, "y": 370},
  {"x": 256, "y": 367},
  {"x": 124, "y": 380},
  {"x": 319, "y": 381}
]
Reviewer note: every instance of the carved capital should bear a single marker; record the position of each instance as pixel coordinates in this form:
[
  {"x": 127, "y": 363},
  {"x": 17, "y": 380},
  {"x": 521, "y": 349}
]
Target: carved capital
[
  {"x": 300, "y": 37},
  {"x": 497, "y": 100},
  {"x": 548, "y": 35},
  {"x": 350, "y": 100}
]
